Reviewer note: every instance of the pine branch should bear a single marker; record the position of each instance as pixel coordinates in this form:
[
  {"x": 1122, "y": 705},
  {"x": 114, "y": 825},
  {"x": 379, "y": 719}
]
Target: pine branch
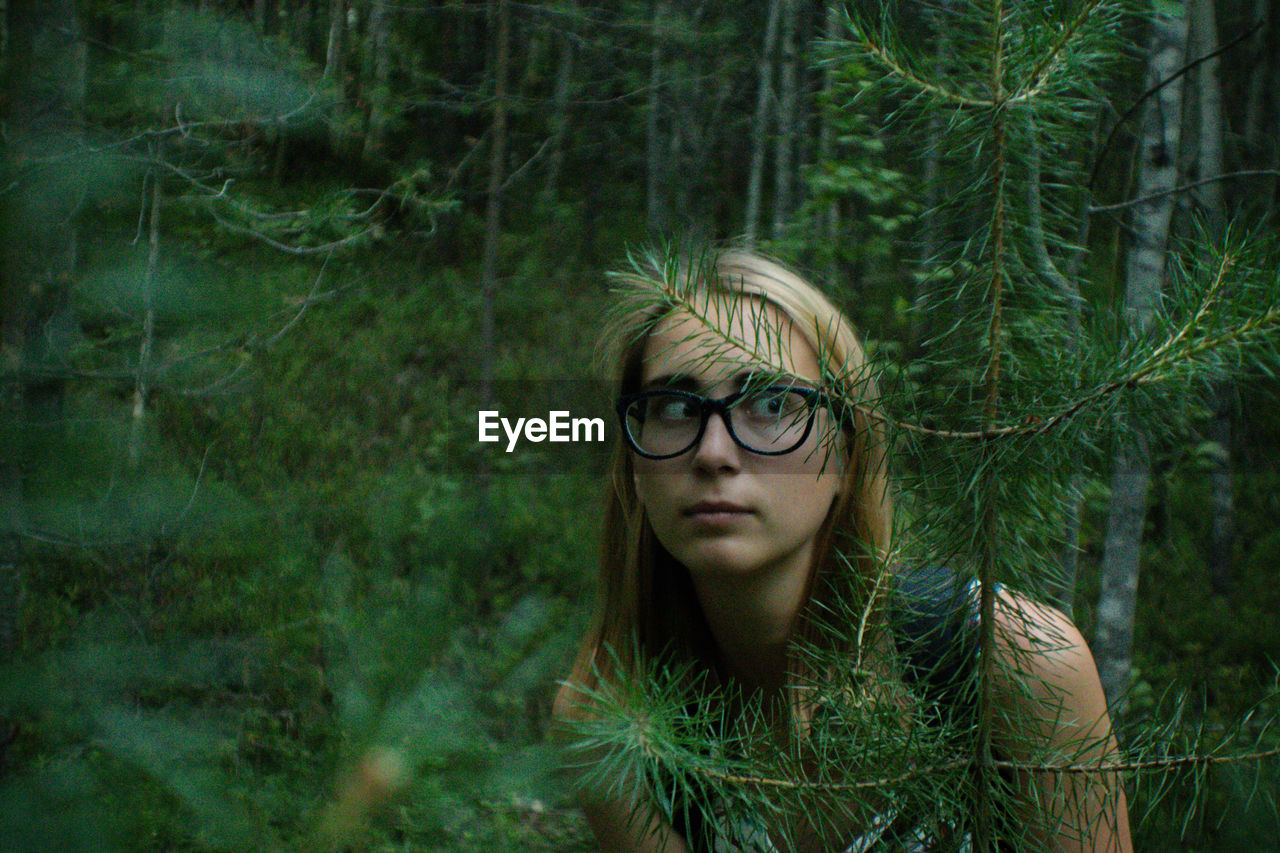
[
  {"x": 1037, "y": 79},
  {"x": 810, "y": 785},
  {"x": 1099, "y": 767},
  {"x": 1153, "y": 368},
  {"x": 653, "y": 751},
  {"x": 885, "y": 57},
  {"x": 984, "y": 746}
]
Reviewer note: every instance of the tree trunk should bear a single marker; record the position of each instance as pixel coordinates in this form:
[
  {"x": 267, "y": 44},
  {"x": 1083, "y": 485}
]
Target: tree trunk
[
  {"x": 336, "y": 51},
  {"x": 341, "y": 140},
  {"x": 142, "y": 378},
  {"x": 1065, "y": 284},
  {"x": 559, "y": 116},
  {"x": 656, "y": 210},
  {"x": 266, "y": 16},
  {"x": 302, "y": 27},
  {"x": 1222, "y": 498},
  {"x": 44, "y": 103},
  {"x": 1209, "y": 160},
  {"x": 760, "y": 125},
  {"x": 931, "y": 229},
  {"x": 1261, "y": 99},
  {"x": 1145, "y": 269},
  {"x": 493, "y": 213},
  {"x": 830, "y": 225},
  {"x": 378, "y": 87},
  {"x": 1210, "y": 121},
  {"x": 785, "y": 141}
]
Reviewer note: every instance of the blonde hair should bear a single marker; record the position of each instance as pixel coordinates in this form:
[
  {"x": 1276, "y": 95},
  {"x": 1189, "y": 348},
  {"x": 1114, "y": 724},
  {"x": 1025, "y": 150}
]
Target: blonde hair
[{"x": 647, "y": 604}]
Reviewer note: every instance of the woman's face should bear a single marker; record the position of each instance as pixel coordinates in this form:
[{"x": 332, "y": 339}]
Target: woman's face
[{"x": 719, "y": 508}]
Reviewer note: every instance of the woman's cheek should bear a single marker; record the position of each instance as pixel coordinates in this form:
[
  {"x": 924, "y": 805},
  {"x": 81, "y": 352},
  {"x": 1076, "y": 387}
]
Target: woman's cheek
[{"x": 655, "y": 498}]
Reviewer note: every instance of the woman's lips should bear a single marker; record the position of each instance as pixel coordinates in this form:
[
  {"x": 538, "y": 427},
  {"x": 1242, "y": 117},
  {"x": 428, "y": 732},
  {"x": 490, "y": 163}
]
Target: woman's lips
[{"x": 716, "y": 513}]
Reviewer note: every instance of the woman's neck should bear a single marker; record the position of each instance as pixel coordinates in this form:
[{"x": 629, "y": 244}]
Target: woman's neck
[{"x": 751, "y": 619}]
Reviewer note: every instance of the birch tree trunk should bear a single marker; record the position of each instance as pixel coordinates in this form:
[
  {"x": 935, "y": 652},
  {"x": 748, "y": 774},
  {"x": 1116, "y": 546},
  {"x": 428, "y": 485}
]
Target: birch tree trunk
[
  {"x": 1157, "y": 171},
  {"x": 760, "y": 125}
]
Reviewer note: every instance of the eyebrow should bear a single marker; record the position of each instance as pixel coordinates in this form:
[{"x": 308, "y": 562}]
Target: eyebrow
[
  {"x": 685, "y": 382},
  {"x": 675, "y": 381}
]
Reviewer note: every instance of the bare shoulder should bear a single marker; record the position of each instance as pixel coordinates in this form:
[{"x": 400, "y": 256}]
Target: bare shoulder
[
  {"x": 567, "y": 705},
  {"x": 1053, "y": 714},
  {"x": 1045, "y": 658}
]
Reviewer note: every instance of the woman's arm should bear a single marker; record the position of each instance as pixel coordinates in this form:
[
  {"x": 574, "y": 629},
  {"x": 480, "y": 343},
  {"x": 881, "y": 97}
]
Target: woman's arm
[
  {"x": 1052, "y": 711},
  {"x": 621, "y": 824},
  {"x": 620, "y": 828}
]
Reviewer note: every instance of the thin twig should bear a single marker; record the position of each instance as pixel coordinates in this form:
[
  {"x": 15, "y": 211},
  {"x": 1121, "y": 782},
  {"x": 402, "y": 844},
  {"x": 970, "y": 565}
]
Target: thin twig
[
  {"x": 524, "y": 167},
  {"x": 1168, "y": 763},
  {"x": 285, "y": 247},
  {"x": 195, "y": 491},
  {"x": 1156, "y": 87},
  {"x": 302, "y": 309},
  {"x": 1182, "y": 188}
]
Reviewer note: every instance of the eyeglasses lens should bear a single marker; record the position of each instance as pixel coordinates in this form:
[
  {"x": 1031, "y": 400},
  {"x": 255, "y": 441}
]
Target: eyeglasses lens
[{"x": 771, "y": 420}]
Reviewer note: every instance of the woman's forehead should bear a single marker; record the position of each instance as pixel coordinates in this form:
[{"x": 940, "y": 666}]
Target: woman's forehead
[{"x": 724, "y": 338}]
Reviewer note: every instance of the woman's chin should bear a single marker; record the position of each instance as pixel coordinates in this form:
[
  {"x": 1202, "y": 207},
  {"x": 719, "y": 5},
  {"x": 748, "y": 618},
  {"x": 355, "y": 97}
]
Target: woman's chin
[{"x": 720, "y": 558}]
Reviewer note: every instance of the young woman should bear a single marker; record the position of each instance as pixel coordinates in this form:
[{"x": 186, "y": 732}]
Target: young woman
[{"x": 749, "y": 502}]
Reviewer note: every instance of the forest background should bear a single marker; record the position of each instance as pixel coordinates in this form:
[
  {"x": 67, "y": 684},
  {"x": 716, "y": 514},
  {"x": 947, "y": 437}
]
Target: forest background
[{"x": 260, "y": 585}]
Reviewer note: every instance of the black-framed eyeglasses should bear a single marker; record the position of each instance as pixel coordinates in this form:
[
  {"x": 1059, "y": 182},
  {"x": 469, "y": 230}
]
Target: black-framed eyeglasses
[{"x": 770, "y": 421}]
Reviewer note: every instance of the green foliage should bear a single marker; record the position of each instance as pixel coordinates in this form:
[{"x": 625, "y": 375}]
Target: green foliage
[
  {"x": 1022, "y": 392},
  {"x": 295, "y": 565}
]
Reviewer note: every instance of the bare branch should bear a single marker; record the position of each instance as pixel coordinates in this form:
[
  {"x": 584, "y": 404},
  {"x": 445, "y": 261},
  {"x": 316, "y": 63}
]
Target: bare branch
[
  {"x": 302, "y": 308},
  {"x": 1160, "y": 84},
  {"x": 301, "y": 251},
  {"x": 1183, "y": 188},
  {"x": 518, "y": 173}
]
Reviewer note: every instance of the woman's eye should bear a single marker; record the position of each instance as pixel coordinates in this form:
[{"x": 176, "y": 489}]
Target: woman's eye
[
  {"x": 767, "y": 405},
  {"x": 672, "y": 409},
  {"x": 772, "y": 403}
]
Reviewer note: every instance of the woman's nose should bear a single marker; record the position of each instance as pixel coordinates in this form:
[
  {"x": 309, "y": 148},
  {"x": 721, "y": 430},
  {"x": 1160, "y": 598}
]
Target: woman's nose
[{"x": 717, "y": 451}]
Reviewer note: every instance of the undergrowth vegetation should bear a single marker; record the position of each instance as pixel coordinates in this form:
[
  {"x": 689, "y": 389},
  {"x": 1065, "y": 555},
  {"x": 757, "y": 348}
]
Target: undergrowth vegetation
[{"x": 263, "y": 588}]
